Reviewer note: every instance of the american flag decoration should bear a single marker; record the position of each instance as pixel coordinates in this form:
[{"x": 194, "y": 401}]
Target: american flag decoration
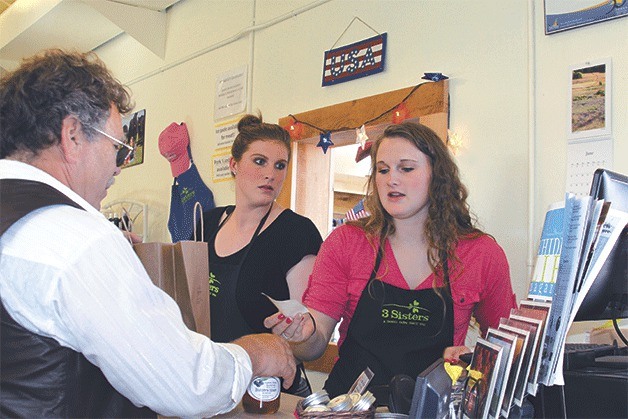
[
  {"x": 356, "y": 212},
  {"x": 360, "y": 59}
]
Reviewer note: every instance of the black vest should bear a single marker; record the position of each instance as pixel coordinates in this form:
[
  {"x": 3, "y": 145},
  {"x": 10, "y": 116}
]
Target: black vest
[{"x": 39, "y": 377}]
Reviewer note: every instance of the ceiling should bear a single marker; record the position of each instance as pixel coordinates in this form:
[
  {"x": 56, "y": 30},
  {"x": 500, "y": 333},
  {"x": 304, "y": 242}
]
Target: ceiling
[
  {"x": 29, "y": 26},
  {"x": 4, "y": 4}
]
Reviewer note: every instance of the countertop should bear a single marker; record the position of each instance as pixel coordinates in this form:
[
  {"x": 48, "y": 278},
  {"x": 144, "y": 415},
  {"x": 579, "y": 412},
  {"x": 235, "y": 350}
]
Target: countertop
[{"x": 287, "y": 405}]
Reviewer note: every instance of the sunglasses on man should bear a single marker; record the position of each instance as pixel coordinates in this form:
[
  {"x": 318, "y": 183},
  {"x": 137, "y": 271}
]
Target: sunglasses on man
[{"x": 123, "y": 149}]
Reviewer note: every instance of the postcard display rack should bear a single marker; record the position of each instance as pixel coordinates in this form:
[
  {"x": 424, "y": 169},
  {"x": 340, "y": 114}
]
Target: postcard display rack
[
  {"x": 128, "y": 215},
  {"x": 516, "y": 369}
]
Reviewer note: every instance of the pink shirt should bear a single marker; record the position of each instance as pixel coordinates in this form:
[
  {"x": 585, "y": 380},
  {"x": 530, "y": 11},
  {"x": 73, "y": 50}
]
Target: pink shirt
[{"x": 346, "y": 259}]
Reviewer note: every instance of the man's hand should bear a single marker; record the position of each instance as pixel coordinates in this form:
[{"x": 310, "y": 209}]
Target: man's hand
[{"x": 270, "y": 356}]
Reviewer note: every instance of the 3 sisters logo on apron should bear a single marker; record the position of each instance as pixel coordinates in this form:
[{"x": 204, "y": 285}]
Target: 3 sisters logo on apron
[
  {"x": 411, "y": 314},
  {"x": 214, "y": 285},
  {"x": 187, "y": 194}
]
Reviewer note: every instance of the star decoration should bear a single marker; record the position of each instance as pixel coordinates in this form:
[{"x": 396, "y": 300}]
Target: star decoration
[
  {"x": 363, "y": 152},
  {"x": 361, "y": 136},
  {"x": 325, "y": 141},
  {"x": 434, "y": 76}
]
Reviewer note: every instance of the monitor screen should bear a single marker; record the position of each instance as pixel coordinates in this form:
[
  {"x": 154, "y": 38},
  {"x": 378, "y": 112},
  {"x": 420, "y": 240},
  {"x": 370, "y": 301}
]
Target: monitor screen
[
  {"x": 608, "y": 297},
  {"x": 432, "y": 392}
]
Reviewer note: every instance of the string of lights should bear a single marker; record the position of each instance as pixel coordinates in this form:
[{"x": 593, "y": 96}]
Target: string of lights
[{"x": 399, "y": 112}]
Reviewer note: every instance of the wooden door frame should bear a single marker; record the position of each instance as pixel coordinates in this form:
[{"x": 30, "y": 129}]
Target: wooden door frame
[{"x": 428, "y": 102}]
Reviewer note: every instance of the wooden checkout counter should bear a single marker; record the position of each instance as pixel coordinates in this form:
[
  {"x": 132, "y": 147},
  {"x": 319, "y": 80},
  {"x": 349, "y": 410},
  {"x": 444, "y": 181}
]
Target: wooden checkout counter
[
  {"x": 286, "y": 409},
  {"x": 289, "y": 402}
]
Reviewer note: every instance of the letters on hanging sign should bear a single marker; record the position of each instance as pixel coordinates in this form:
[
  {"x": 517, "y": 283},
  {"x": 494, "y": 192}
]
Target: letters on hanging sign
[{"x": 353, "y": 61}]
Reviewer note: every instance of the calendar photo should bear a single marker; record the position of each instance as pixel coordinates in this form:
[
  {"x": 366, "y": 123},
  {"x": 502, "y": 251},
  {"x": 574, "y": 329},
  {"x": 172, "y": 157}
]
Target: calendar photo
[{"x": 590, "y": 99}]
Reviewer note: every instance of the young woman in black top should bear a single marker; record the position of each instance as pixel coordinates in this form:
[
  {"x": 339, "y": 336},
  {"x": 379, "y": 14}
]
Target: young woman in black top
[{"x": 257, "y": 246}]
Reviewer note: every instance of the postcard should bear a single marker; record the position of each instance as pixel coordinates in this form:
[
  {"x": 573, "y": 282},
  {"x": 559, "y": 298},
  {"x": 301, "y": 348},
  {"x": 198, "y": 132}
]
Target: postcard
[
  {"x": 481, "y": 380},
  {"x": 507, "y": 341},
  {"x": 519, "y": 359}
]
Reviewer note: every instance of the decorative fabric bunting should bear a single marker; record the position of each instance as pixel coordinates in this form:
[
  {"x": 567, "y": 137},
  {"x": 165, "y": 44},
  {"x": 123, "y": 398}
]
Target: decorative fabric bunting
[
  {"x": 325, "y": 141},
  {"x": 397, "y": 113}
]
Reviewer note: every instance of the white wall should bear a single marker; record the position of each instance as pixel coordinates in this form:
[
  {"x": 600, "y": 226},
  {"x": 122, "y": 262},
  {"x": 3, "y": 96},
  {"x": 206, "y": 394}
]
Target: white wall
[
  {"x": 507, "y": 88},
  {"x": 554, "y": 56}
]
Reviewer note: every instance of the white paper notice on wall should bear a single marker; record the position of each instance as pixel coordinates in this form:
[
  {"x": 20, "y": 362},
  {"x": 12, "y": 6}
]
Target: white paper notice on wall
[
  {"x": 220, "y": 167},
  {"x": 226, "y": 133},
  {"x": 583, "y": 158},
  {"x": 230, "y": 93}
]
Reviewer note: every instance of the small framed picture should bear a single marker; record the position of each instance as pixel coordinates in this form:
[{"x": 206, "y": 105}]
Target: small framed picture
[
  {"x": 590, "y": 99},
  {"x": 134, "y": 126}
]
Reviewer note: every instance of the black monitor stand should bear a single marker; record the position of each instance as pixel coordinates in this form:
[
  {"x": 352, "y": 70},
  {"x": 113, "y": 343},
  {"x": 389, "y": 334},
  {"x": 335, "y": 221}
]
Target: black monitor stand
[{"x": 596, "y": 390}]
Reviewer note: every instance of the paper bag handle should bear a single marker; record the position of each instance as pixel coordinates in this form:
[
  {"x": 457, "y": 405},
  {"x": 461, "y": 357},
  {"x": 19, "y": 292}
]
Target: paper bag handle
[{"x": 198, "y": 205}]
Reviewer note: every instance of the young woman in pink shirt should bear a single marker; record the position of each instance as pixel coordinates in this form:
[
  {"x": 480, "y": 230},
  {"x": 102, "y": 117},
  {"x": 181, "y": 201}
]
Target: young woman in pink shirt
[{"x": 406, "y": 280}]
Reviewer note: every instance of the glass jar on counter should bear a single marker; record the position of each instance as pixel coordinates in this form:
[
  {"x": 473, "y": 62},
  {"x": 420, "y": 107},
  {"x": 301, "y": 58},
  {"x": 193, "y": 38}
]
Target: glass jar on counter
[{"x": 263, "y": 395}]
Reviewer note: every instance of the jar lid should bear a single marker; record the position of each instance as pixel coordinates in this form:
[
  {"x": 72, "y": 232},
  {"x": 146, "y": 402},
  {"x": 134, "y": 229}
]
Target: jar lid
[
  {"x": 365, "y": 402},
  {"x": 317, "y": 408},
  {"x": 320, "y": 397},
  {"x": 355, "y": 397},
  {"x": 342, "y": 402}
]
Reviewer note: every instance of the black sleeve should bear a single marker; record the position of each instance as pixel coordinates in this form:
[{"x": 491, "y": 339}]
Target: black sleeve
[{"x": 301, "y": 238}]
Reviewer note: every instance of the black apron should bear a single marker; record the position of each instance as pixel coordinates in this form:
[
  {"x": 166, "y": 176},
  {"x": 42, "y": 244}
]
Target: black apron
[
  {"x": 223, "y": 296},
  {"x": 393, "y": 331},
  {"x": 224, "y": 303}
]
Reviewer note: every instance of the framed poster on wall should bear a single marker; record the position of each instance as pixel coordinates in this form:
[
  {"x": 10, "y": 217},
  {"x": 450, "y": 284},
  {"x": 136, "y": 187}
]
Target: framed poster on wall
[
  {"x": 134, "y": 127},
  {"x": 590, "y": 99},
  {"x": 561, "y": 15}
]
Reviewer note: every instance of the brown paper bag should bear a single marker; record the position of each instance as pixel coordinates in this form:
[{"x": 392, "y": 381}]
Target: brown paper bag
[
  {"x": 192, "y": 281},
  {"x": 181, "y": 270}
]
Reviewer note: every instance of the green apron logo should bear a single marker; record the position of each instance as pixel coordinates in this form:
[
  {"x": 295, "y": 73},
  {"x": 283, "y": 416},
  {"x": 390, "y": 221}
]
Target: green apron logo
[
  {"x": 214, "y": 285},
  {"x": 186, "y": 194},
  {"x": 411, "y": 314}
]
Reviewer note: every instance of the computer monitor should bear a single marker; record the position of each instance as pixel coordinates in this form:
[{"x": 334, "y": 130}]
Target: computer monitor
[
  {"x": 608, "y": 297},
  {"x": 432, "y": 392}
]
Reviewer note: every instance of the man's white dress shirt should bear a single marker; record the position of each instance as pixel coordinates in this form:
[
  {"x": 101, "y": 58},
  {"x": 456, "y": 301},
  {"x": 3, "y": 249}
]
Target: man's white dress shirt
[{"x": 72, "y": 276}]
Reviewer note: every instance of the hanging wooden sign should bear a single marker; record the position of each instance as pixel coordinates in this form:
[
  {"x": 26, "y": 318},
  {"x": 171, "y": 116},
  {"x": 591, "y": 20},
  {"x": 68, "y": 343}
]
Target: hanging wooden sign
[{"x": 360, "y": 59}]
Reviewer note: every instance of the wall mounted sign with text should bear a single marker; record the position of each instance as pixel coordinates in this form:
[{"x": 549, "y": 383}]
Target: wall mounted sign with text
[
  {"x": 226, "y": 133},
  {"x": 220, "y": 167},
  {"x": 231, "y": 90},
  {"x": 561, "y": 15},
  {"x": 360, "y": 59}
]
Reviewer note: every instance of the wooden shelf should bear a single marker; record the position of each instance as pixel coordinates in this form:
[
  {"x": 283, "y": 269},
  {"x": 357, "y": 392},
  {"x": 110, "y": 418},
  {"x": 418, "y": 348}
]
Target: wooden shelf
[
  {"x": 350, "y": 183},
  {"x": 343, "y": 202}
]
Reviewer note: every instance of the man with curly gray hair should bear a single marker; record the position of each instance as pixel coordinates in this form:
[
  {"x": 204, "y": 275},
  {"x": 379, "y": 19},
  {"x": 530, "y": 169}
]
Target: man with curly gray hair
[{"x": 84, "y": 332}]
